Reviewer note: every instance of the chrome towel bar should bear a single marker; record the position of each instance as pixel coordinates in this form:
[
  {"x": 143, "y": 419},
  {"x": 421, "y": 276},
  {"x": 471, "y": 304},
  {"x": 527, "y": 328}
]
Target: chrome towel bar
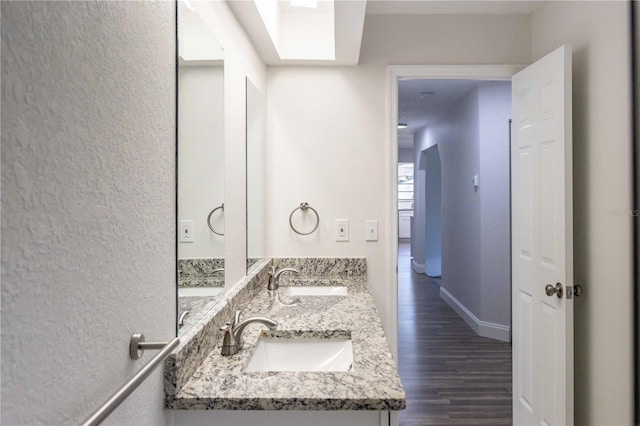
[
  {"x": 220, "y": 207},
  {"x": 138, "y": 347},
  {"x": 304, "y": 207}
]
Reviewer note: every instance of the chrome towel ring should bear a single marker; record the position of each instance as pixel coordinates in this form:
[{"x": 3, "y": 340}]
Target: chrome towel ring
[
  {"x": 220, "y": 207},
  {"x": 304, "y": 207}
]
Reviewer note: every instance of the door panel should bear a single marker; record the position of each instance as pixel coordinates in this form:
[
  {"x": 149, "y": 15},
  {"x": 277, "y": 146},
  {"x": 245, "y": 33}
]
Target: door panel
[{"x": 542, "y": 241}]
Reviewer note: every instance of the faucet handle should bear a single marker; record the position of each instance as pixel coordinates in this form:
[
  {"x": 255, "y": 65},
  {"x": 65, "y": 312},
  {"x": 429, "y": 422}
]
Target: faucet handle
[
  {"x": 228, "y": 339},
  {"x": 226, "y": 329}
]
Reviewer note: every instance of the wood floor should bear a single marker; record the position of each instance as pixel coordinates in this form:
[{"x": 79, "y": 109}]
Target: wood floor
[{"x": 451, "y": 375}]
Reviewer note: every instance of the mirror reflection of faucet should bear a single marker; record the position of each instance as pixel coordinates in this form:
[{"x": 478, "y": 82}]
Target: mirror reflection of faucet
[
  {"x": 282, "y": 299},
  {"x": 182, "y": 317},
  {"x": 232, "y": 341}
]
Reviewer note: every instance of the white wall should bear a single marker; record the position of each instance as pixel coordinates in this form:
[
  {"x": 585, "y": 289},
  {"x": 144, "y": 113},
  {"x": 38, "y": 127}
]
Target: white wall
[
  {"x": 457, "y": 133},
  {"x": 599, "y": 33},
  {"x": 405, "y": 155},
  {"x": 473, "y": 139},
  {"x": 494, "y": 190},
  {"x": 88, "y": 195},
  {"x": 256, "y": 172},
  {"x": 430, "y": 159},
  {"x": 201, "y": 158},
  {"x": 421, "y": 141},
  {"x": 446, "y": 39},
  {"x": 326, "y": 135},
  {"x": 327, "y": 130},
  {"x": 195, "y": 40}
]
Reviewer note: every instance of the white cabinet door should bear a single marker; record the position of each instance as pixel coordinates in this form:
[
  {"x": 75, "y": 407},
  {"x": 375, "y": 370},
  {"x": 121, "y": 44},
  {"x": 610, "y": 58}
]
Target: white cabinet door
[{"x": 404, "y": 224}]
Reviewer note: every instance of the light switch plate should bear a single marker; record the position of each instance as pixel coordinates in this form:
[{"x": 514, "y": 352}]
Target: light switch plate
[
  {"x": 342, "y": 229},
  {"x": 186, "y": 231},
  {"x": 371, "y": 230}
]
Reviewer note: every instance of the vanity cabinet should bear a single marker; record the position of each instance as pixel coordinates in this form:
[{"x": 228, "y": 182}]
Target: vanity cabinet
[{"x": 282, "y": 418}]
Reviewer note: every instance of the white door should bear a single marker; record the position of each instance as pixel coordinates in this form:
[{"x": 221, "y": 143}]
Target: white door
[{"x": 542, "y": 242}]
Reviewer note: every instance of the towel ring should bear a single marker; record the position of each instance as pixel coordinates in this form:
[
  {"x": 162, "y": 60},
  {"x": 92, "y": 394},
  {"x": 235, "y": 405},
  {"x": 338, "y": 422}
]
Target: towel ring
[
  {"x": 220, "y": 207},
  {"x": 304, "y": 207}
]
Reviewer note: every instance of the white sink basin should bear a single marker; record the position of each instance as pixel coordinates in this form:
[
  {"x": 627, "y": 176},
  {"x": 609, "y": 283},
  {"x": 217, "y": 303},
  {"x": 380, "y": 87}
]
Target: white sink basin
[
  {"x": 199, "y": 291},
  {"x": 314, "y": 291},
  {"x": 302, "y": 354}
]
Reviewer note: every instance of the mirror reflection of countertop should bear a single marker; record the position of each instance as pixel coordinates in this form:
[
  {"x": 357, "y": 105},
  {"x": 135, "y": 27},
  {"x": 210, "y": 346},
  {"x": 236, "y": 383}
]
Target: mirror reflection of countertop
[
  {"x": 196, "y": 295},
  {"x": 372, "y": 384}
]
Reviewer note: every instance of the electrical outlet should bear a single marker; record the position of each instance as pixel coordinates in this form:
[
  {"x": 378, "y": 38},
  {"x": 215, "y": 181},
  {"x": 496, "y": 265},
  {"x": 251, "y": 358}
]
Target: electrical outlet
[
  {"x": 342, "y": 229},
  {"x": 186, "y": 231}
]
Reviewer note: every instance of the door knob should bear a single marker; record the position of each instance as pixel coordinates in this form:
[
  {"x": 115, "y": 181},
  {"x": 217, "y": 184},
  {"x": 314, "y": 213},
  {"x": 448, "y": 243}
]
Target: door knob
[{"x": 551, "y": 290}]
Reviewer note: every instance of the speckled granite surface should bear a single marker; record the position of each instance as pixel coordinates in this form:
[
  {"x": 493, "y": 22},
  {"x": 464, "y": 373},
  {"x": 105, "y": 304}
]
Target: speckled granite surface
[
  {"x": 200, "y": 339},
  {"x": 197, "y": 306},
  {"x": 217, "y": 382},
  {"x": 202, "y": 281},
  {"x": 200, "y": 272},
  {"x": 324, "y": 266},
  {"x": 197, "y": 273}
]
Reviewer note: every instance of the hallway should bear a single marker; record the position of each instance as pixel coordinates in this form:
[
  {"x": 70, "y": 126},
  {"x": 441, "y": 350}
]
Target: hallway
[{"x": 451, "y": 376}]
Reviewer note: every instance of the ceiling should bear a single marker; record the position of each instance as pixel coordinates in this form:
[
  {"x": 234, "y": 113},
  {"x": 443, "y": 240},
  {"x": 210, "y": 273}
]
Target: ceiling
[
  {"x": 422, "y": 101},
  {"x": 349, "y": 22},
  {"x": 348, "y": 28},
  {"x": 415, "y": 109},
  {"x": 395, "y": 7}
]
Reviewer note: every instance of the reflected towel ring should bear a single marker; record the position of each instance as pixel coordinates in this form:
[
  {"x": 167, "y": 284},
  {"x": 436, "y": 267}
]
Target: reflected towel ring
[
  {"x": 304, "y": 207},
  {"x": 220, "y": 207}
]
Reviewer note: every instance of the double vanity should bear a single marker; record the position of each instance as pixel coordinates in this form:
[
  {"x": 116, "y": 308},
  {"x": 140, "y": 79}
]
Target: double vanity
[
  {"x": 313, "y": 350},
  {"x": 328, "y": 350}
]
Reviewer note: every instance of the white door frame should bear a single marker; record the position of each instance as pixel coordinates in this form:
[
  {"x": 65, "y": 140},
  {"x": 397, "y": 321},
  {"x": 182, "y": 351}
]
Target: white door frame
[{"x": 395, "y": 73}]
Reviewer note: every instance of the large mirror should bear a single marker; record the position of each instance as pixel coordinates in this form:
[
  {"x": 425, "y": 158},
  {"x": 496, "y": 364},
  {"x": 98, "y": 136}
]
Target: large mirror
[
  {"x": 256, "y": 174},
  {"x": 200, "y": 167}
]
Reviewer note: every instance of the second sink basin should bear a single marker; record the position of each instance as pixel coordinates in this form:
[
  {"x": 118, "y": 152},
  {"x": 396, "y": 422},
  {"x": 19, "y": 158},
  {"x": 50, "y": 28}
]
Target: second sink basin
[
  {"x": 314, "y": 291},
  {"x": 302, "y": 354}
]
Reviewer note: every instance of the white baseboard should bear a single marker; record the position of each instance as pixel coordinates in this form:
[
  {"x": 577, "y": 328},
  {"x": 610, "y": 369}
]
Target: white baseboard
[
  {"x": 418, "y": 267},
  {"x": 482, "y": 328}
]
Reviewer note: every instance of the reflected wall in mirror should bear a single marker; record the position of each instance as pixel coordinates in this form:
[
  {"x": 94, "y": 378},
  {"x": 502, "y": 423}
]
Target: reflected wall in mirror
[
  {"x": 200, "y": 167},
  {"x": 256, "y": 174}
]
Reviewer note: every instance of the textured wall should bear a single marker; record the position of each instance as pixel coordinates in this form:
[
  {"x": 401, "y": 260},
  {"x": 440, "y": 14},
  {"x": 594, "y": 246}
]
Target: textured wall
[
  {"x": 599, "y": 34},
  {"x": 88, "y": 254}
]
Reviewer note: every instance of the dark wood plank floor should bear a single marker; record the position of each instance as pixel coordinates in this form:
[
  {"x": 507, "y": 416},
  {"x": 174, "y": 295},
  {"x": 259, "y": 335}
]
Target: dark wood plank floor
[{"x": 451, "y": 375}]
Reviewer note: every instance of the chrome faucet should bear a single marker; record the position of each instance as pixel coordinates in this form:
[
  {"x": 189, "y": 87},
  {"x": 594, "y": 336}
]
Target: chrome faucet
[
  {"x": 274, "y": 277},
  {"x": 232, "y": 341}
]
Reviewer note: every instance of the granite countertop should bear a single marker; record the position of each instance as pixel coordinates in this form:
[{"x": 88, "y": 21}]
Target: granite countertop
[{"x": 372, "y": 384}]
